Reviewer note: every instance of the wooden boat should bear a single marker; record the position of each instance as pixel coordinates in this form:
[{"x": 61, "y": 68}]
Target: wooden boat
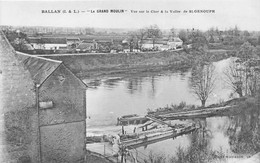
[
  {"x": 131, "y": 119},
  {"x": 148, "y": 138}
]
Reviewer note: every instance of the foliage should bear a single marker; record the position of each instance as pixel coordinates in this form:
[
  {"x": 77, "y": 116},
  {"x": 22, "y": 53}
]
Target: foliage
[
  {"x": 199, "y": 41},
  {"x": 17, "y": 39},
  {"x": 242, "y": 75},
  {"x": 172, "y": 108},
  {"x": 183, "y": 35},
  {"x": 155, "y": 158},
  {"x": 234, "y": 78},
  {"x": 199, "y": 151},
  {"x": 154, "y": 32}
]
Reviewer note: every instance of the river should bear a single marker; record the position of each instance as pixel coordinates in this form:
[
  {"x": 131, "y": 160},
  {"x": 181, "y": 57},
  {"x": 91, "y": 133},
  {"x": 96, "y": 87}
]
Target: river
[{"x": 110, "y": 98}]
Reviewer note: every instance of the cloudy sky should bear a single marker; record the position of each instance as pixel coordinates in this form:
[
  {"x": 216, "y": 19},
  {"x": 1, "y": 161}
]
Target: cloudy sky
[{"x": 228, "y": 13}]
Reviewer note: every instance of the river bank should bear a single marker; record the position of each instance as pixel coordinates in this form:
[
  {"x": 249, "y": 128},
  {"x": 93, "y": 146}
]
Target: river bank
[{"x": 98, "y": 65}]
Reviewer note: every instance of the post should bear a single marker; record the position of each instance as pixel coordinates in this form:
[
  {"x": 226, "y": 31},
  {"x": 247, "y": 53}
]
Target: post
[
  {"x": 123, "y": 132},
  {"x": 122, "y": 157},
  {"x": 104, "y": 149},
  {"x": 37, "y": 87}
]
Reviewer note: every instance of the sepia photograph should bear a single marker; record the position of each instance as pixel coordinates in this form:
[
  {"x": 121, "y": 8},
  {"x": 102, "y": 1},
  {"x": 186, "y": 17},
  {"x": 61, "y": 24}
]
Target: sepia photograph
[{"x": 130, "y": 81}]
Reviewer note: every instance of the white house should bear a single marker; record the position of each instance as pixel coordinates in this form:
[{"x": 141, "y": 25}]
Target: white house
[
  {"x": 48, "y": 43},
  {"x": 73, "y": 40},
  {"x": 174, "y": 43},
  {"x": 149, "y": 44},
  {"x": 36, "y": 43},
  {"x": 54, "y": 43}
]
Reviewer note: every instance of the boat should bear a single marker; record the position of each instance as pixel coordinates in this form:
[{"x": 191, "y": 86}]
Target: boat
[
  {"x": 145, "y": 138},
  {"x": 133, "y": 119}
]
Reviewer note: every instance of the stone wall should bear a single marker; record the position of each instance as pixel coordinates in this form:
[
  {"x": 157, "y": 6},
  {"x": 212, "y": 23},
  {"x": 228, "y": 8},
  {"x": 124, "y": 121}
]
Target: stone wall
[
  {"x": 63, "y": 122},
  {"x": 63, "y": 143},
  {"x": 18, "y": 116}
]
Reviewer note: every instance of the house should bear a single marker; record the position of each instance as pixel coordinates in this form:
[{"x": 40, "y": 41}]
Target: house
[
  {"x": 73, "y": 40},
  {"x": 27, "y": 47},
  {"x": 43, "y": 109},
  {"x": 50, "y": 43},
  {"x": 61, "y": 101},
  {"x": 54, "y": 43},
  {"x": 153, "y": 44},
  {"x": 36, "y": 42},
  {"x": 164, "y": 47},
  {"x": 174, "y": 43},
  {"x": 85, "y": 47}
]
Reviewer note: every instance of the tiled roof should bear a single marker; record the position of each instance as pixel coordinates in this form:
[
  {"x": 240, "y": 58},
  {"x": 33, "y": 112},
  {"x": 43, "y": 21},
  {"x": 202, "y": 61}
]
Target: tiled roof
[
  {"x": 27, "y": 47},
  {"x": 73, "y": 39},
  {"x": 50, "y": 40},
  {"x": 47, "y": 40},
  {"x": 84, "y": 46},
  {"x": 34, "y": 40},
  {"x": 156, "y": 42},
  {"x": 176, "y": 39},
  {"x": 39, "y": 68}
]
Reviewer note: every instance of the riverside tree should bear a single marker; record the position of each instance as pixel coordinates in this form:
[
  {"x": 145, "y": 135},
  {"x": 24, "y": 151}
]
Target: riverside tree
[
  {"x": 183, "y": 35},
  {"x": 141, "y": 35},
  {"x": 234, "y": 77},
  {"x": 154, "y": 33},
  {"x": 202, "y": 81},
  {"x": 242, "y": 74}
]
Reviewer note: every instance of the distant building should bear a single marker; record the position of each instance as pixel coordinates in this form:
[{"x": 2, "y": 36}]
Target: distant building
[
  {"x": 36, "y": 42},
  {"x": 175, "y": 43},
  {"x": 86, "y": 47},
  {"x": 54, "y": 43},
  {"x": 162, "y": 44},
  {"x": 150, "y": 44},
  {"x": 50, "y": 43},
  {"x": 73, "y": 40}
]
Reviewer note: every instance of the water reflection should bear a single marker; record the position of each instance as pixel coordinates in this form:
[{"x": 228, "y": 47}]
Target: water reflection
[
  {"x": 134, "y": 85},
  {"x": 112, "y": 82},
  {"x": 244, "y": 132},
  {"x": 219, "y": 139}
]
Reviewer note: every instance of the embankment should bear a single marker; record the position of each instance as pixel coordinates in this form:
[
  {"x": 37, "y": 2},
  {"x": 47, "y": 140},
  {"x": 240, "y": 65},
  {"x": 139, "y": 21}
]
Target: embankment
[
  {"x": 89, "y": 65},
  {"x": 101, "y": 64}
]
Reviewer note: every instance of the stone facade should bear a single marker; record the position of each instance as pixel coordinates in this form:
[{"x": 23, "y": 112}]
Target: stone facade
[
  {"x": 43, "y": 109},
  {"x": 62, "y": 124},
  {"x": 18, "y": 115}
]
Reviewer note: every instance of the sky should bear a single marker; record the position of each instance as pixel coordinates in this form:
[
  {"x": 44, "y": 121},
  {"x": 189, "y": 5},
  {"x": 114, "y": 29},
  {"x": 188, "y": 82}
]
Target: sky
[{"x": 228, "y": 13}]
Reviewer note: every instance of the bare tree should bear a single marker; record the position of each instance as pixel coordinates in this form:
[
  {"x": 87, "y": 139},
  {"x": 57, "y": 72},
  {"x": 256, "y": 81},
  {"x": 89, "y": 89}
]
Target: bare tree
[
  {"x": 242, "y": 77},
  {"x": 154, "y": 33},
  {"x": 202, "y": 82},
  {"x": 234, "y": 77},
  {"x": 141, "y": 35}
]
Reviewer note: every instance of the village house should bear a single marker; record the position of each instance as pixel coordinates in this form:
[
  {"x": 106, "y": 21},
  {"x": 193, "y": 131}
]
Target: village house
[
  {"x": 162, "y": 44},
  {"x": 61, "y": 98},
  {"x": 36, "y": 42},
  {"x": 54, "y": 43},
  {"x": 45, "y": 43},
  {"x": 85, "y": 47},
  {"x": 149, "y": 44},
  {"x": 175, "y": 43},
  {"x": 73, "y": 40}
]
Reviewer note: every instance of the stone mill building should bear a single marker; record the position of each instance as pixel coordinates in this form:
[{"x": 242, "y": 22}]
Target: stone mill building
[{"x": 42, "y": 109}]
